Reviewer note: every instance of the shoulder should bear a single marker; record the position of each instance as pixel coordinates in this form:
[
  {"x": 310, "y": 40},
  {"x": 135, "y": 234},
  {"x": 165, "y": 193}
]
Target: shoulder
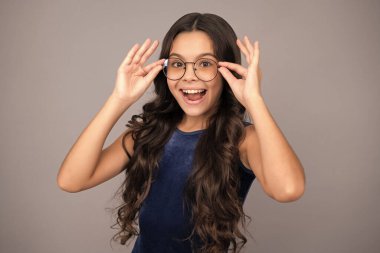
[
  {"x": 250, "y": 153},
  {"x": 248, "y": 128},
  {"x": 249, "y": 140},
  {"x": 127, "y": 143}
]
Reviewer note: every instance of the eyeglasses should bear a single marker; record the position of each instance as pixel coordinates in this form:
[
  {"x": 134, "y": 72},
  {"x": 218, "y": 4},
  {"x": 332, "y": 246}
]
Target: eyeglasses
[{"x": 205, "y": 69}]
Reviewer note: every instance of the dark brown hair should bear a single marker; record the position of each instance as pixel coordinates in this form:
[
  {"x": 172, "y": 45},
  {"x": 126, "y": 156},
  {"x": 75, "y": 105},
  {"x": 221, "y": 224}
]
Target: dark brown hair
[{"x": 211, "y": 191}]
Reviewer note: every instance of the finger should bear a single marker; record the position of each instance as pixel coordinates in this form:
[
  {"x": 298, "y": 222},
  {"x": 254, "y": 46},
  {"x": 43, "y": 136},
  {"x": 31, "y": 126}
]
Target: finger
[
  {"x": 149, "y": 67},
  {"x": 136, "y": 59},
  {"x": 127, "y": 60},
  {"x": 256, "y": 57},
  {"x": 230, "y": 78},
  {"x": 251, "y": 50},
  {"x": 149, "y": 52},
  {"x": 153, "y": 73},
  {"x": 235, "y": 67},
  {"x": 259, "y": 74},
  {"x": 154, "y": 64},
  {"x": 244, "y": 50}
]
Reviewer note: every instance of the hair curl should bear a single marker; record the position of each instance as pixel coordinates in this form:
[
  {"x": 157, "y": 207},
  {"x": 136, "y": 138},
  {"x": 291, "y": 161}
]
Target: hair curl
[{"x": 211, "y": 190}]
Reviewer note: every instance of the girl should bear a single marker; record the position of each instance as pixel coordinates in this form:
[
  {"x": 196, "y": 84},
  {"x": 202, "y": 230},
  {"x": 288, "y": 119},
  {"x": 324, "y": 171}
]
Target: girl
[{"x": 189, "y": 158}]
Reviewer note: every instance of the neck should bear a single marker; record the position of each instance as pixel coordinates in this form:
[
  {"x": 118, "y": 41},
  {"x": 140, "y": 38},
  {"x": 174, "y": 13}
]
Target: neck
[{"x": 192, "y": 123}]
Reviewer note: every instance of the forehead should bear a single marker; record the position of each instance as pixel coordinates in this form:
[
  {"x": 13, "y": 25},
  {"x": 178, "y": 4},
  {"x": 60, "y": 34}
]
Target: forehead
[{"x": 191, "y": 44}]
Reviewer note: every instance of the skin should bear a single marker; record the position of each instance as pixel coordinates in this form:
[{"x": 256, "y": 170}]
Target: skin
[
  {"x": 190, "y": 45},
  {"x": 264, "y": 149}
]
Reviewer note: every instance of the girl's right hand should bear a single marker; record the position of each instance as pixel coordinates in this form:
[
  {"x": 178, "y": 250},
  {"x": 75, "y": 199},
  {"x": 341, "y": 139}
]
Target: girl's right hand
[{"x": 133, "y": 79}]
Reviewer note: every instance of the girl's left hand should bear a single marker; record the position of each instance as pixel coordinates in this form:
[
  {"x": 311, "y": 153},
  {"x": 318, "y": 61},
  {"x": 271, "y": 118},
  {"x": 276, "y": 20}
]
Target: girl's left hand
[{"x": 247, "y": 88}]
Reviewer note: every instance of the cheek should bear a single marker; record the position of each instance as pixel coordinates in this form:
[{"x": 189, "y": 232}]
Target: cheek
[
  {"x": 171, "y": 86},
  {"x": 218, "y": 87}
]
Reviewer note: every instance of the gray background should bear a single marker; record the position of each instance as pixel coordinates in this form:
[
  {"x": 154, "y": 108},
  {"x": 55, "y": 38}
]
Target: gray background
[{"x": 321, "y": 71}]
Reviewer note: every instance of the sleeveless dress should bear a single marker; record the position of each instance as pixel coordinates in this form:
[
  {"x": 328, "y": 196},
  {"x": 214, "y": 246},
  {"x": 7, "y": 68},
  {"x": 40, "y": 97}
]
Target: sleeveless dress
[{"x": 162, "y": 220}]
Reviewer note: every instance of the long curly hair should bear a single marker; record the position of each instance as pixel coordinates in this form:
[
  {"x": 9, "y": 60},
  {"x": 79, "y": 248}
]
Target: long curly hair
[{"x": 211, "y": 190}]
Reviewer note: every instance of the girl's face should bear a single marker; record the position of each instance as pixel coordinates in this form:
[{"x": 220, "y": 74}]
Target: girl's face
[{"x": 189, "y": 47}]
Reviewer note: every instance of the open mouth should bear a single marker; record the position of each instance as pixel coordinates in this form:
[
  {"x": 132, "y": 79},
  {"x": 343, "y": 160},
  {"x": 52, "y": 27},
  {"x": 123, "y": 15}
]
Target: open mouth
[{"x": 193, "y": 95}]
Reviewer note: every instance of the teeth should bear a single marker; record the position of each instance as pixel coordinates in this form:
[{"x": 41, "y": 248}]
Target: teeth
[{"x": 192, "y": 91}]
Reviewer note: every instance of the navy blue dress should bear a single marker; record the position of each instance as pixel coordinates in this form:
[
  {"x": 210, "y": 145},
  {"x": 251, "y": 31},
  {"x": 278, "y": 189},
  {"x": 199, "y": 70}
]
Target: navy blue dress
[{"x": 162, "y": 216}]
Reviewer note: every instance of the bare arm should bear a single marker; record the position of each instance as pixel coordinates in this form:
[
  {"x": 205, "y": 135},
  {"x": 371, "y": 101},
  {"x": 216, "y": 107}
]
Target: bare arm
[
  {"x": 272, "y": 158},
  {"x": 86, "y": 164},
  {"x": 266, "y": 149},
  {"x": 86, "y": 155}
]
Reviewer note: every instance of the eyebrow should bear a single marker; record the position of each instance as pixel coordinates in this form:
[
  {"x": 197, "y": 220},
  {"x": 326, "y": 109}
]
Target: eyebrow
[{"x": 200, "y": 55}]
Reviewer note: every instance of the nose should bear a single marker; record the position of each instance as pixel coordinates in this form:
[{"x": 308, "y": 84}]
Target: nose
[{"x": 189, "y": 72}]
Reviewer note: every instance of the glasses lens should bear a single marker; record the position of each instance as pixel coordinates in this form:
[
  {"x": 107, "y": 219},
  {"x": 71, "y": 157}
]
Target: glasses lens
[
  {"x": 206, "y": 69},
  {"x": 174, "y": 68}
]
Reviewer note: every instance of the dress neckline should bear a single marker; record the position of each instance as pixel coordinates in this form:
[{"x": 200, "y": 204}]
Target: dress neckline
[{"x": 189, "y": 133}]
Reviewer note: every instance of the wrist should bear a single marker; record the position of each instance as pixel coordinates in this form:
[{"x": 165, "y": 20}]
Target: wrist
[
  {"x": 120, "y": 102},
  {"x": 256, "y": 102}
]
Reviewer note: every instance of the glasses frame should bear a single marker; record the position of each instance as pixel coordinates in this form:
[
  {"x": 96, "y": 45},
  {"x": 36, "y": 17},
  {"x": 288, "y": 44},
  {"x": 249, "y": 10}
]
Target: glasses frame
[{"x": 194, "y": 69}]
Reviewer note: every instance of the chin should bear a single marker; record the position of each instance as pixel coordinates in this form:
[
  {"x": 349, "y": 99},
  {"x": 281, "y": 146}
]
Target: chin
[{"x": 198, "y": 109}]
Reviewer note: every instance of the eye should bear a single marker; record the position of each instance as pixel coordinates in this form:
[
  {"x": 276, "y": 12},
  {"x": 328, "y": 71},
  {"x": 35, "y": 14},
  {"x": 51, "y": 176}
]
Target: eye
[
  {"x": 176, "y": 63},
  {"x": 205, "y": 63}
]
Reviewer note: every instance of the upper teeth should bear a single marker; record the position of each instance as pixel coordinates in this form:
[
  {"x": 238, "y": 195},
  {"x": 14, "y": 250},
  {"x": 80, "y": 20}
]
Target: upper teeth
[{"x": 192, "y": 91}]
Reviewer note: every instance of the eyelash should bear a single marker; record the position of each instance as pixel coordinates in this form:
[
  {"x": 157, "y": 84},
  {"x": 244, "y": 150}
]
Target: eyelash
[{"x": 210, "y": 63}]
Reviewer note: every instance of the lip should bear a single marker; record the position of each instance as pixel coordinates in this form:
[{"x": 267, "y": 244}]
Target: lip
[
  {"x": 192, "y": 88},
  {"x": 191, "y": 102}
]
